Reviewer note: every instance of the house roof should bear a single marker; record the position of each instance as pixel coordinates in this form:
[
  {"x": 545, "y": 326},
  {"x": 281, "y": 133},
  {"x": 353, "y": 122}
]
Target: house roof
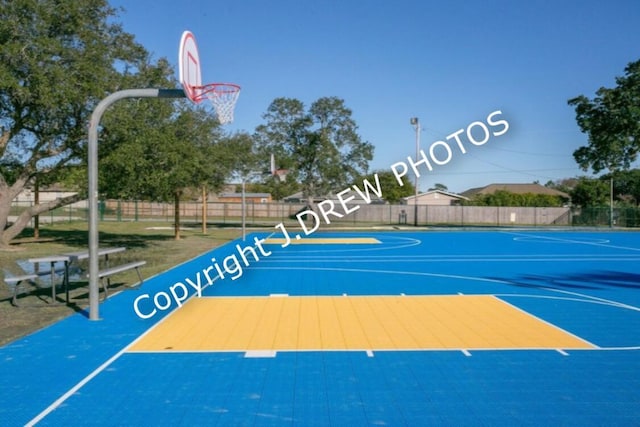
[
  {"x": 299, "y": 197},
  {"x": 445, "y": 193},
  {"x": 245, "y": 194},
  {"x": 515, "y": 189}
]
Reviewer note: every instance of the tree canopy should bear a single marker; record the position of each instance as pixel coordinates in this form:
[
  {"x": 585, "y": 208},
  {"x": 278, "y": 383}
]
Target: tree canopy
[
  {"x": 612, "y": 122},
  {"x": 590, "y": 192},
  {"x": 57, "y": 60},
  {"x": 391, "y": 191},
  {"x": 320, "y": 146}
]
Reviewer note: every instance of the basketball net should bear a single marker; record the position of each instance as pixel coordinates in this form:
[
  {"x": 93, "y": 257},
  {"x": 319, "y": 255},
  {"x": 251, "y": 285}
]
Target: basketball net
[{"x": 223, "y": 97}]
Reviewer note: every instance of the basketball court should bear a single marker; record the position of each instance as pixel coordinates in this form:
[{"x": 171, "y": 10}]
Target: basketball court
[
  {"x": 370, "y": 328},
  {"x": 383, "y": 328}
]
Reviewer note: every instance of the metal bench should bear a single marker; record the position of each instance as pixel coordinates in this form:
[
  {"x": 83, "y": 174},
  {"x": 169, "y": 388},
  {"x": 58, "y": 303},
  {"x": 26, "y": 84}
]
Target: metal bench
[
  {"x": 14, "y": 282},
  {"x": 119, "y": 269}
]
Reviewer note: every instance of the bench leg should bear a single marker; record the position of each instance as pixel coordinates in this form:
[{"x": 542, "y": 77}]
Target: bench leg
[
  {"x": 139, "y": 277},
  {"x": 14, "y": 300},
  {"x": 105, "y": 286}
]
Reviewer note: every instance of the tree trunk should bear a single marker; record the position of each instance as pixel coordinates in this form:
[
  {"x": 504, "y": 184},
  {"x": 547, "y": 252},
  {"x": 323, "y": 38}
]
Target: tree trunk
[
  {"x": 176, "y": 215},
  {"x": 312, "y": 206},
  {"x": 36, "y": 201},
  {"x": 204, "y": 210},
  {"x": 9, "y": 231}
]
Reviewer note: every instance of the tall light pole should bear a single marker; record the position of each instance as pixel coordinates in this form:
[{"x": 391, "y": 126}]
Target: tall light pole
[{"x": 416, "y": 124}]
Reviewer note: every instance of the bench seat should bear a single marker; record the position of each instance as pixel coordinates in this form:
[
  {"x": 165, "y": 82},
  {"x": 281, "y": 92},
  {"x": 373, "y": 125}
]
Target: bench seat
[{"x": 104, "y": 274}]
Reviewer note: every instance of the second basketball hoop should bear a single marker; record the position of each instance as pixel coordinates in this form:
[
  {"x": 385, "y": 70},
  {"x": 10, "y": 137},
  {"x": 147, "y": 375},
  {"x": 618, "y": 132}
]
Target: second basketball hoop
[{"x": 223, "y": 96}]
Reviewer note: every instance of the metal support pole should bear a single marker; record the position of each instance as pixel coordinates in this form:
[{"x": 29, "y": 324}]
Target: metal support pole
[
  {"x": 94, "y": 290},
  {"x": 611, "y": 201},
  {"x": 244, "y": 210},
  {"x": 416, "y": 124}
]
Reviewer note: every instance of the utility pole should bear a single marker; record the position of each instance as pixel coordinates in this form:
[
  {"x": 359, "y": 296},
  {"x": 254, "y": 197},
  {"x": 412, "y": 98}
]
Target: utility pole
[{"x": 416, "y": 124}]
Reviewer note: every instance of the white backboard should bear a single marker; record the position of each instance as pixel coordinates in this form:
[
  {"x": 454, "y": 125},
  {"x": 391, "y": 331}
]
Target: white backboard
[{"x": 189, "y": 65}]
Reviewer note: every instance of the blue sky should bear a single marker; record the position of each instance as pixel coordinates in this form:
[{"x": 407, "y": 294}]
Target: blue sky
[{"x": 449, "y": 63}]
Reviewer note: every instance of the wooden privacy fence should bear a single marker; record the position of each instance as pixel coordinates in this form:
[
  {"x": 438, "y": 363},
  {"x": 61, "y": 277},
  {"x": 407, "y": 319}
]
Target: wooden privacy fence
[{"x": 273, "y": 213}]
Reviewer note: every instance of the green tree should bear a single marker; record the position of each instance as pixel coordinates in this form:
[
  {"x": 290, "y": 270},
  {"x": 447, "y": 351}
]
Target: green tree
[
  {"x": 320, "y": 146},
  {"x": 156, "y": 150},
  {"x": 277, "y": 188},
  {"x": 439, "y": 186},
  {"x": 391, "y": 191},
  {"x": 241, "y": 157},
  {"x": 611, "y": 121},
  {"x": 626, "y": 186},
  {"x": 589, "y": 192},
  {"x": 565, "y": 184},
  {"x": 57, "y": 60},
  {"x": 507, "y": 198}
]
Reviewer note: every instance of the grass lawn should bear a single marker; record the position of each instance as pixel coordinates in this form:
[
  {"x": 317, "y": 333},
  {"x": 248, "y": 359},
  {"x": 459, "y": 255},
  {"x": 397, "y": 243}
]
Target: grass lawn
[{"x": 150, "y": 241}]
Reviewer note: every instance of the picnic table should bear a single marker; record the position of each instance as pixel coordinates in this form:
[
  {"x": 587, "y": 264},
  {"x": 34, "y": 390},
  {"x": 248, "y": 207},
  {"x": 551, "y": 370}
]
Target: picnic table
[{"x": 67, "y": 259}]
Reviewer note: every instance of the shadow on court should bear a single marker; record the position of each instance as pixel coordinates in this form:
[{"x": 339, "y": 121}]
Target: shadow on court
[{"x": 588, "y": 280}]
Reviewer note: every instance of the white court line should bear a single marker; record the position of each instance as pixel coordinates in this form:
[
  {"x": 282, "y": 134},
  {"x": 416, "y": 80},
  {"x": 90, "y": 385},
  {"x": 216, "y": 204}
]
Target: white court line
[
  {"x": 562, "y": 352},
  {"x": 389, "y": 350},
  {"x": 260, "y": 354},
  {"x": 499, "y": 258},
  {"x": 409, "y": 273},
  {"x": 582, "y": 298},
  {"x": 106, "y": 364},
  {"x": 299, "y": 256},
  {"x": 545, "y": 322},
  {"x": 89, "y": 377},
  {"x": 113, "y": 358},
  {"x": 580, "y": 242}
]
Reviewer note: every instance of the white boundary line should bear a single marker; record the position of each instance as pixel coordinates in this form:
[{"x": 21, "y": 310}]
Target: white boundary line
[
  {"x": 409, "y": 273},
  {"x": 544, "y": 321},
  {"x": 499, "y": 258},
  {"x": 372, "y": 352},
  {"x": 561, "y": 240},
  {"x": 92, "y": 375},
  {"x": 113, "y": 358}
]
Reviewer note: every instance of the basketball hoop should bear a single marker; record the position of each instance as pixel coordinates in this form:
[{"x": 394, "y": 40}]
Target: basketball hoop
[{"x": 223, "y": 96}]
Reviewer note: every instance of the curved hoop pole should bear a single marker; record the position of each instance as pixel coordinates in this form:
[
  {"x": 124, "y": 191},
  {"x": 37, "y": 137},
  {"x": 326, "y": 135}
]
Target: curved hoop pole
[{"x": 92, "y": 146}]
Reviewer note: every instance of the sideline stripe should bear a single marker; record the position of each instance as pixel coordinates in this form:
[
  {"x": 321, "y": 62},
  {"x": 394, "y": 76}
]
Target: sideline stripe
[
  {"x": 106, "y": 364},
  {"x": 88, "y": 378},
  {"x": 74, "y": 389}
]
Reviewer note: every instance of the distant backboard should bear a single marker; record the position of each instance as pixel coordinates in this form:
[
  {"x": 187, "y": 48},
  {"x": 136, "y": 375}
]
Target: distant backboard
[{"x": 189, "y": 65}]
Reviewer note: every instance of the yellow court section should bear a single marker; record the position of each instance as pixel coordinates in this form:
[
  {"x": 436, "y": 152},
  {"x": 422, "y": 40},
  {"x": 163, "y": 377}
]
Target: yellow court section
[
  {"x": 281, "y": 323},
  {"x": 324, "y": 241}
]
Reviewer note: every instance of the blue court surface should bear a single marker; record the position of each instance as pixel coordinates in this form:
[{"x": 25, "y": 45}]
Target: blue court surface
[{"x": 125, "y": 370}]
